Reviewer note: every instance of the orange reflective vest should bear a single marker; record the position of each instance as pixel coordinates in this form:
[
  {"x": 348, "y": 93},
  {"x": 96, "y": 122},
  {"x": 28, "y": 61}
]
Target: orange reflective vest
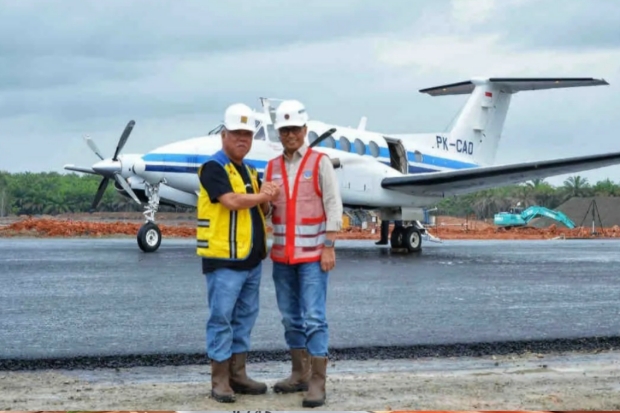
[{"x": 298, "y": 217}]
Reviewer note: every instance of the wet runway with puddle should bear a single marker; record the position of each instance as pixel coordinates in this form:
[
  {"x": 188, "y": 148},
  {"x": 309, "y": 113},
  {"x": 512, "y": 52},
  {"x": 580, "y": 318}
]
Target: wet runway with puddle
[{"x": 104, "y": 297}]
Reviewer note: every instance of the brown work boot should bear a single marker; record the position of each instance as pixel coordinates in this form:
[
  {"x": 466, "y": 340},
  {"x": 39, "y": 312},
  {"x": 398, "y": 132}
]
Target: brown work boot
[
  {"x": 239, "y": 380},
  {"x": 316, "y": 387},
  {"x": 300, "y": 373},
  {"x": 220, "y": 387}
]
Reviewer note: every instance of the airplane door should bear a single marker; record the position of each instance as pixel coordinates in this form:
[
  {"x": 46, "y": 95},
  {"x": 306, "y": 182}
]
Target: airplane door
[{"x": 398, "y": 155}]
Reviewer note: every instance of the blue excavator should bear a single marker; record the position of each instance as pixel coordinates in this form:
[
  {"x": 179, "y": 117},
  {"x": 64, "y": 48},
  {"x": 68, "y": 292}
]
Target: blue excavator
[{"x": 519, "y": 217}]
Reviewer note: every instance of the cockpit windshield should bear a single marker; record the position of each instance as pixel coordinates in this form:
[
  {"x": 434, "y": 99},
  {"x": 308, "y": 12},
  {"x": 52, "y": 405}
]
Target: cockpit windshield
[
  {"x": 267, "y": 132},
  {"x": 260, "y": 134}
]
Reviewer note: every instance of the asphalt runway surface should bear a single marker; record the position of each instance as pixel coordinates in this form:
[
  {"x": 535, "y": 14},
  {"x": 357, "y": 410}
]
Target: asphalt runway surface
[{"x": 104, "y": 297}]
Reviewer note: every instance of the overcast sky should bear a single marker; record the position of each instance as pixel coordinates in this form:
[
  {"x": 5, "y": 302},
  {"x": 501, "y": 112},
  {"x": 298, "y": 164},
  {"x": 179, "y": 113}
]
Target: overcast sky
[{"x": 69, "y": 68}]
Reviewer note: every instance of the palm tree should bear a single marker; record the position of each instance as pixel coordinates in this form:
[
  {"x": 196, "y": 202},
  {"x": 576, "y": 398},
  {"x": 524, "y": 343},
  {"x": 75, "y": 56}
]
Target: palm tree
[
  {"x": 576, "y": 186},
  {"x": 606, "y": 188},
  {"x": 544, "y": 193}
]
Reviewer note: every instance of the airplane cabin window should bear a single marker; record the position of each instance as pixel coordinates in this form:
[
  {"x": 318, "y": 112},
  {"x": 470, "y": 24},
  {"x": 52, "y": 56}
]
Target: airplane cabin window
[
  {"x": 345, "y": 145},
  {"x": 312, "y": 136},
  {"x": 360, "y": 148},
  {"x": 418, "y": 156},
  {"x": 329, "y": 142},
  {"x": 374, "y": 149}
]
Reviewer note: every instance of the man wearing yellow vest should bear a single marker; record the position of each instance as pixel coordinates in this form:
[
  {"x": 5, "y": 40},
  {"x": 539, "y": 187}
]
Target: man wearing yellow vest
[
  {"x": 306, "y": 216},
  {"x": 231, "y": 239}
]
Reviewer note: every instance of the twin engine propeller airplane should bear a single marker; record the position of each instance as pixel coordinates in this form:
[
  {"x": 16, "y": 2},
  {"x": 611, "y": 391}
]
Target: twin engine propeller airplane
[{"x": 397, "y": 175}]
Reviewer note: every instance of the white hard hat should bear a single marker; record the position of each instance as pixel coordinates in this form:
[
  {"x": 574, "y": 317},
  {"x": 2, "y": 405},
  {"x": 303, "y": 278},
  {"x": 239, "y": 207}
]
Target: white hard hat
[
  {"x": 240, "y": 117},
  {"x": 290, "y": 113}
]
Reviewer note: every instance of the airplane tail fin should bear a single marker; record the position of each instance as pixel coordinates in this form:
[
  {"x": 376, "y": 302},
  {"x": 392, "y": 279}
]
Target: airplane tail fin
[
  {"x": 362, "y": 125},
  {"x": 479, "y": 126}
]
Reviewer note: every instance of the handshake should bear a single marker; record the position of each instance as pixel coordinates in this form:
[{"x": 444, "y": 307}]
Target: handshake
[{"x": 271, "y": 189}]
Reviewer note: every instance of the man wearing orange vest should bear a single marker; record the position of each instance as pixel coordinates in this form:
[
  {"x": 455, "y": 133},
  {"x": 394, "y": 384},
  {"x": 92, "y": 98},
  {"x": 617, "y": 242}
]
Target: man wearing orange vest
[{"x": 306, "y": 215}]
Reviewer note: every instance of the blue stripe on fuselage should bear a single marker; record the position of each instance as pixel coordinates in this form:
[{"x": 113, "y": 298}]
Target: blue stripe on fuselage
[
  {"x": 187, "y": 169},
  {"x": 426, "y": 159},
  {"x": 193, "y": 161}
]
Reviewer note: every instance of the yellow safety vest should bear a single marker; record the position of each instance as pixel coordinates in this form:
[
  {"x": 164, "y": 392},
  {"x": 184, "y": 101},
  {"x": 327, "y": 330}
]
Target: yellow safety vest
[{"x": 222, "y": 233}]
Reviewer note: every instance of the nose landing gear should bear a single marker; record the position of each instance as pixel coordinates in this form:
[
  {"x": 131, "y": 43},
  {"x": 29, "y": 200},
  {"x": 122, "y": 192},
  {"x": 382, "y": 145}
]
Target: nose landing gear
[{"x": 149, "y": 235}]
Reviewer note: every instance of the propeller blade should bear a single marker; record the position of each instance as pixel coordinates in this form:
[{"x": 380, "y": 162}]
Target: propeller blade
[
  {"x": 93, "y": 146},
  {"x": 324, "y": 136},
  {"x": 100, "y": 191},
  {"x": 127, "y": 188},
  {"x": 123, "y": 139},
  {"x": 72, "y": 167}
]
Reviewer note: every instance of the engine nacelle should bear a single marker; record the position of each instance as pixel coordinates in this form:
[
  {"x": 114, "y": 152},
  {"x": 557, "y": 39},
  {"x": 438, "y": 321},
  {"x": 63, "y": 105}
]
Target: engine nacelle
[
  {"x": 152, "y": 176},
  {"x": 168, "y": 195}
]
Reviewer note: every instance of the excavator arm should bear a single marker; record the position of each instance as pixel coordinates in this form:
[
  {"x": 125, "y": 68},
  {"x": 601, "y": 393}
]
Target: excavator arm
[{"x": 538, "y": 211}]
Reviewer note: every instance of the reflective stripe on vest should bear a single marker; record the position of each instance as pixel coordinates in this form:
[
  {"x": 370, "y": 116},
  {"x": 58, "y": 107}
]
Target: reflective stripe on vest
[
  {"x": 298, "y": 218},
  {"x": 308, "y": 235}
]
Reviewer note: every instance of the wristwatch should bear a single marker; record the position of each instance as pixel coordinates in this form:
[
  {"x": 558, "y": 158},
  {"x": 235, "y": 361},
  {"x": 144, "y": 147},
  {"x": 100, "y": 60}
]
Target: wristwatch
[{"x": 329, "y": 243}]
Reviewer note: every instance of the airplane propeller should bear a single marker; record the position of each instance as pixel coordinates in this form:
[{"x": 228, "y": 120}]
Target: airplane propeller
[
  {"x": 93, "y": 146},
  {"x": 323, "y": 136},
  {"x": 111, "y": 168}
]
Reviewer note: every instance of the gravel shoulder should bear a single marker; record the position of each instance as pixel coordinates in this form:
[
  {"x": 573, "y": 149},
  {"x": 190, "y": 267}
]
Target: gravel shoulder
[{"x": 557, "y": 381}]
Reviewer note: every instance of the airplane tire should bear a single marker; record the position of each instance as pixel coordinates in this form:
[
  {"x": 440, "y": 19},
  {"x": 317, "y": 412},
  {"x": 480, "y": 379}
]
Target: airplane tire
[
  {"x": 412, "y": 239},
  {"x": 149, "y": 237},
  {"x": 397, "y": 239}
]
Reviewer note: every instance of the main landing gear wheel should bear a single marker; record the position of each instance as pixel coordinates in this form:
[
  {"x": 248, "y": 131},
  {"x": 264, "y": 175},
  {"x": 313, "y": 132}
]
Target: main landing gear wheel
[
  {"x": 149, "y": 237},
  {"x": 406, "y": 237},
  {"x": 397, "y": 238},
  {"x": 413, "y": 239}
]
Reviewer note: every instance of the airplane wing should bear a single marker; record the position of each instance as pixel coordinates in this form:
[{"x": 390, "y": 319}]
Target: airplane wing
[{"x": 476, "y": 179}]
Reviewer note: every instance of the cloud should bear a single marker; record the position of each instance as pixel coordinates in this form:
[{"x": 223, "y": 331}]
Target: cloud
[
  {"x": 89, "y": 67},
  {"x": 499, "y": 38},
  {"x": 113, "y": 35},
  {"x": 488, "y": 54},
  {"x": 472, "y": 12},
  {"x": 558, "y": 24}
]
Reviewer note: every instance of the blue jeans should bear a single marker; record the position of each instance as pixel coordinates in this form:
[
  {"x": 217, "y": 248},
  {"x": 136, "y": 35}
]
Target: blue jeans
[
  {"x": 233, "y": 297},
  {"x": 301, "y": 292}
]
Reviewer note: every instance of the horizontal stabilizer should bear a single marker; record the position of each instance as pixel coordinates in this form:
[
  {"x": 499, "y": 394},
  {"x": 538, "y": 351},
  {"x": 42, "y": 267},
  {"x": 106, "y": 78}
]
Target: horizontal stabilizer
[
  {"x": 475, "y": 179},
  {"x": 513, "y": 84}
]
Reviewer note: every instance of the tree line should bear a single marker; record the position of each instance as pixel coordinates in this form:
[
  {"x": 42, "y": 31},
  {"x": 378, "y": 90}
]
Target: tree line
[{"x": 52, "y": 193}]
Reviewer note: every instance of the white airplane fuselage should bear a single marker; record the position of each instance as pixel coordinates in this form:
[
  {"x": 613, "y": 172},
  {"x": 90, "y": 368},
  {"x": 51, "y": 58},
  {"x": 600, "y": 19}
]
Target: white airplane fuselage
[{"x": 359, "y": 179}]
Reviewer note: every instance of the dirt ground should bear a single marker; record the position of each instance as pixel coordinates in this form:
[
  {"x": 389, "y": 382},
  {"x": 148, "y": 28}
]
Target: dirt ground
[
  {"x": 568, "y": 381},
  {"x": 182, "y": 225}
]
